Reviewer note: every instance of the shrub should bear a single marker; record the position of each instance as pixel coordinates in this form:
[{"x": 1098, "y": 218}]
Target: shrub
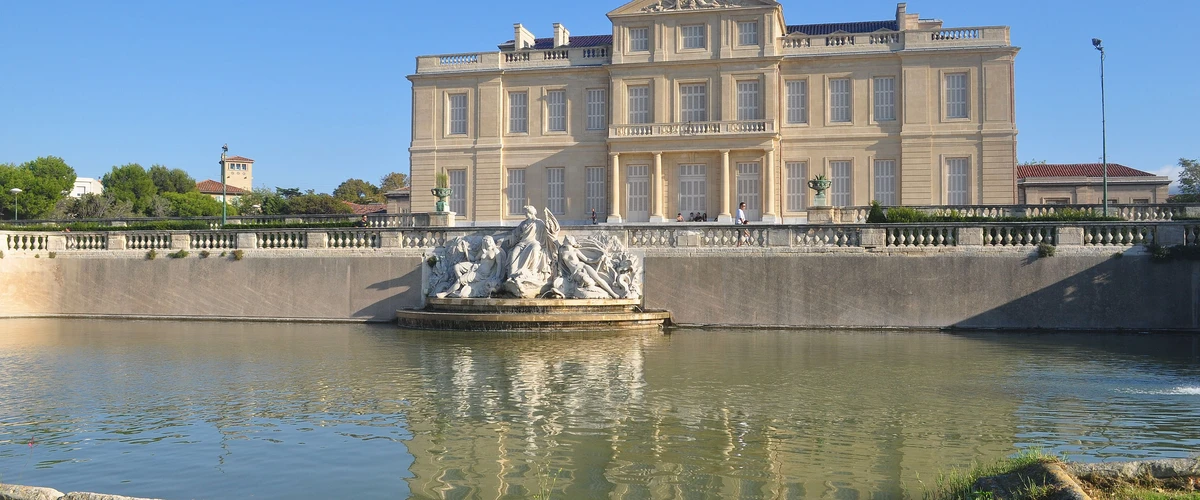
[
  {"x": 906, "y": 215},
  {"x": 238, "y": 254},
  {"x": 37, "y": 255},
  {"x": 52, "y": 255},
  {"x": 204, "y": 254},
  {"x": 179, "y": 254},
  {"x": 151, "y": 255},
  {"x": 223, "y": 254},
  {"x": 1160, "y": 253},
  {"x": 1118, "y": 255},
  {"x": 1045, "y": 250},
  {"x": 876, "y": 216}
]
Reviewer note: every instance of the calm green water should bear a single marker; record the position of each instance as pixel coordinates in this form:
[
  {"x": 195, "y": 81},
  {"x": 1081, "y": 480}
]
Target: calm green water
[{"x": 225, "y": 410}]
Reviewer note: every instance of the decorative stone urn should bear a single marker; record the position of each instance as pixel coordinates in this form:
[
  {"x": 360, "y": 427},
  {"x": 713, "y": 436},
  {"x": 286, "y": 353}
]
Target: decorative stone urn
[
  {"x": 442, "y": 193},
  {"x": 820, "y": 184}
]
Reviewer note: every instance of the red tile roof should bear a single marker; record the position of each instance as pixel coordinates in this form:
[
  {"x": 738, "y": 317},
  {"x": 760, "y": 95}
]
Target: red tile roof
[
  {"x": 1078, "y": 170},
  {"x": 369, "y": 208},
  {"x": 238, "y": 158},
  {"x": 209, "y": 186}
]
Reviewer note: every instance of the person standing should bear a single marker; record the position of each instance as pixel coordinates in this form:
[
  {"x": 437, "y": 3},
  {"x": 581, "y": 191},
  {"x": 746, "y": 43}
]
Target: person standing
[{"x": 743, "y": 234}]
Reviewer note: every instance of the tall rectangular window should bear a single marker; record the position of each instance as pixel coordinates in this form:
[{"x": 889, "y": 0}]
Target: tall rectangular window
[
  {"x": 458, "y": 114},
  {"x": 518, "y": 112},
  {"x": 639, "y": 39},
  {"x": 956, "y": 96},
  {"x": 597, "y": 110},
  {"x": 556, "y": 197},
  {"x": 597, "y": 193},
  {"x": 748, "y": 33},
  {"x": 797, "y": 183},
  {"x": 458, "y": 191},
  {"x": 516, "y": 191},
  {"x": 639, "y": 104},
  {"x": 839, "y": 192},
  {"x": 885, "y": 182},
  {"x": 693, "y": 36},
  {"x": 747, "y": 101},
  {"x": 556, "y": 111},
  {"x": 749, "y": 184},
  {"x": 694, "y": 105},
  {"x": 839, "y": 100},
  {"x": 797, "y": 101},
  {"x": 693, "y": 189},
  {"x": 885, "y": 98},
  {"x": 637, "y": 189},
  {"x": 957, "y": 189}
]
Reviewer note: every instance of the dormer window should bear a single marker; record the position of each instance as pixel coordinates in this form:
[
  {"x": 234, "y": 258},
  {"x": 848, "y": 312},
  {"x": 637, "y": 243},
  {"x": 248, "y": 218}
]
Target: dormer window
[
  {"x": 639, "y": 39},
  {"x": 693, "y": 36}
]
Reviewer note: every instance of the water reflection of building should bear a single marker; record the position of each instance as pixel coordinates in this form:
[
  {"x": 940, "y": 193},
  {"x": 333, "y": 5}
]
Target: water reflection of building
[{"x": 652, "y": 416}]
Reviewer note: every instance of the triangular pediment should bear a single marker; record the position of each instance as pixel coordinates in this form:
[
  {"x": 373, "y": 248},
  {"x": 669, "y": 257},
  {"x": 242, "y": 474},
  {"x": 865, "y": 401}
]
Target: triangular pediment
[{"x": 669, "y": 6}]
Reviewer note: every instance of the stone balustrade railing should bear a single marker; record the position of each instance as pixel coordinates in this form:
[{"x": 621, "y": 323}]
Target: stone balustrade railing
[
  {"x": 799, "y": 44},
  {"x": 731, "y": 127},
  {"x": 418, "y": 219},
  {"x": 520, "y": 59},
  {"x": 1131, "y": 212},
  {"x": 1016, "y": 235}
]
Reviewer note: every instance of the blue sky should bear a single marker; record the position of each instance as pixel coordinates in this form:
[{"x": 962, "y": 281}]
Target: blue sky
[{"x": 316, "y": 93}]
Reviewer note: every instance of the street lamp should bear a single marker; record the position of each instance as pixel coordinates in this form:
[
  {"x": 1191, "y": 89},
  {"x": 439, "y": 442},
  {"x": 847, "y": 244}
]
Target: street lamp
[
  {"x": 1103, "y": 124},
  {"x": 224, "y": 196},
  {"x": 15, "y": 192}
]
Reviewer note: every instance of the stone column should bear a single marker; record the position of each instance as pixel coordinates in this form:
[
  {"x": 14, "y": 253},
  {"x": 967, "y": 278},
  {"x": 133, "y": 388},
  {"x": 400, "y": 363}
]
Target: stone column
[
  {"x": 656, "y": 190},
  {"x": 725, "y": 215},
  {"x": 769, "y": 204},
  {"x": 614, "y": 215}
]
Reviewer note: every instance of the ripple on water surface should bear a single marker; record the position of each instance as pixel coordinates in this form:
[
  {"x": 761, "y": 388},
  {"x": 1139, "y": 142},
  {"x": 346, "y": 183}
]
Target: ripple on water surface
[{"x": 218, "y": 410}]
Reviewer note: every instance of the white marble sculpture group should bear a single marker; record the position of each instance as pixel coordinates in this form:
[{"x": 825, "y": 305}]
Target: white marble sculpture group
[{"x": 534, "y": 261}]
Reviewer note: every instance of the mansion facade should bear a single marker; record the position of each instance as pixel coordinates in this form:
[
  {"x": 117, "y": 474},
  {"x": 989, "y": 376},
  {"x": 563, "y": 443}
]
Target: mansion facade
[{"x": 693, "y": 106}]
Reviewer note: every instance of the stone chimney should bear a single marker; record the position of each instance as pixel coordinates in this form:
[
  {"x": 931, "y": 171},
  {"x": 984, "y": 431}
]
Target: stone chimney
[
  {"x": 522, "y": 38},
  {"x": 906, "y": 21},
  {"x": 562, "y": 37}
]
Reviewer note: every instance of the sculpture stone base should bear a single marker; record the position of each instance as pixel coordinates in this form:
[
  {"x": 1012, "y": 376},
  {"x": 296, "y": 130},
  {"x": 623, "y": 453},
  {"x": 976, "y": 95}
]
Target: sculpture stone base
[
  {"x": 821, "y": 215},
  {"x": 532, "y": 315},
  {"x": 441, "y": 219}
]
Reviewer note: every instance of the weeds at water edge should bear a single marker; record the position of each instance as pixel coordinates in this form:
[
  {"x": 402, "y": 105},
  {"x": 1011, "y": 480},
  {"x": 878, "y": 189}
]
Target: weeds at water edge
[{"x": 958, "y": 484}]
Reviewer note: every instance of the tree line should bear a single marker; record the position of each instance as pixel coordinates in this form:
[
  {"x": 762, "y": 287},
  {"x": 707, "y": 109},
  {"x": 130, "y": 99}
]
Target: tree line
[{"x": 131, "y": 190}]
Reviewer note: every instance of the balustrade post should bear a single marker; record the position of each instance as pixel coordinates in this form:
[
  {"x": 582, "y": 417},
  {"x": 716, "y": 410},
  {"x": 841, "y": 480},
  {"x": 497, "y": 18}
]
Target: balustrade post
[
  {"x": 116, "y": 241},
  {"x": 247, "y": 240},
  {"x": 317, "y": 239},
  {"x": 1169, "y": 235},
  {"x": 389, "y": 239},
  {"x": 873, "y": 237},
  {"x": 968, "y": 236},
  {"x": 56, "y": 242},
  {"x": 1069, "y": 236},
  {"x": 181, "y": 241}
]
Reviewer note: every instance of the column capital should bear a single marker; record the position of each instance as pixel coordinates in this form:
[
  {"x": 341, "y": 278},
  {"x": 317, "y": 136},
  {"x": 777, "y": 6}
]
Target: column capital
[
  {"x": 724, "y": 152},
  {"x": 656, "y": 153}
]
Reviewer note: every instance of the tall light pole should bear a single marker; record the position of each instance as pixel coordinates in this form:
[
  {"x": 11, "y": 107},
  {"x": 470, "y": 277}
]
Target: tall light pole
[
  {"x": 1103, "y": 124},
  {"x": 224, "y": 196},
  {"x": 15, "y": 192}
]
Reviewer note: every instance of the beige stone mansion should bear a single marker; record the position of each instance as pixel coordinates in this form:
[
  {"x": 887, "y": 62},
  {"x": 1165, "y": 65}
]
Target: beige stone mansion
[{"x": 692, "y": 106}]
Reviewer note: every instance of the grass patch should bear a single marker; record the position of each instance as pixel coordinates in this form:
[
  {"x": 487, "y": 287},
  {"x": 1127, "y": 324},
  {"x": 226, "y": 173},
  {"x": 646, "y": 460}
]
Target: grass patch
[
  {"x": 178, "y": 255},
  {"x": 204, "y": 254},
  {"x": 1045, "y": 250},
  {"x": 52, "y": 254},
  {"x": 959, "y": 484},
  {"x": 152, "y": 254},
  {"x": 1145, "y": 493},
  {"x": 237, "y": 254}
]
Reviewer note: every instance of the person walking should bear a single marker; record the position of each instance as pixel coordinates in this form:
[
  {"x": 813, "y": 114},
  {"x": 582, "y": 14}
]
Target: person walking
[{"x": 743, "y": 234}]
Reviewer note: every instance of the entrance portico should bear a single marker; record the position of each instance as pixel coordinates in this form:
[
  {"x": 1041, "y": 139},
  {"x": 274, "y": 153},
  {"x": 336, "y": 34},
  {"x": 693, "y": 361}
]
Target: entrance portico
[{"x": 648, "y": 186}]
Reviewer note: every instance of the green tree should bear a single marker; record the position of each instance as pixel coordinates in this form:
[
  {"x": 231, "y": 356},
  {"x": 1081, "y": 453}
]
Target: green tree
[
  {"x": 357, "y": 191},
  {"x": 161, "y": 206},
  {"x": 1189, "y": 176},
  {"x": 196, "y": 204},
  {"x": 131, "y": 182},
  {"x": 316, "y": 204},
  {"x": 93, "y": 206},
  {"x": 287, "y": 192},
  {"x": 171, "y": 180},
  {"x": 43, "y": 183},
  {"x": 1033, "y": 161},
  {"x": 392, "y": 182}
]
